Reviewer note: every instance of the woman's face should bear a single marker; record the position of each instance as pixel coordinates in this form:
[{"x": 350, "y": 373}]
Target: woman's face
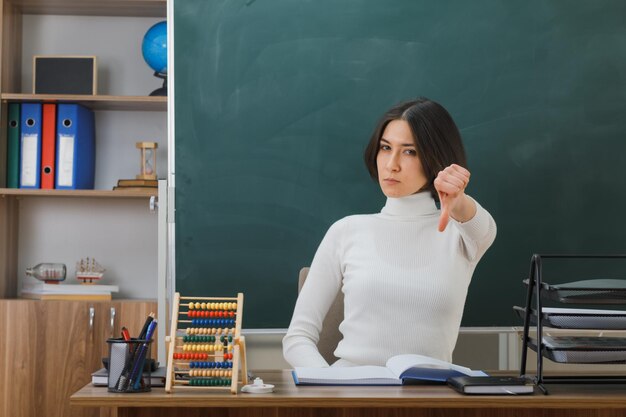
[{"x": 400, "y": 171}]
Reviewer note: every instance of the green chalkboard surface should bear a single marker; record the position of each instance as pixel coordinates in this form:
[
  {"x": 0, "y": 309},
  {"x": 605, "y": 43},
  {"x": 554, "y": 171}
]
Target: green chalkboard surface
[{"x": 275, "y": 101}]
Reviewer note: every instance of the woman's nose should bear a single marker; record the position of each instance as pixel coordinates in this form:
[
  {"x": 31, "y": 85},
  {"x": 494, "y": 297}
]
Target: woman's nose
[{"x": 393, "y": 163}]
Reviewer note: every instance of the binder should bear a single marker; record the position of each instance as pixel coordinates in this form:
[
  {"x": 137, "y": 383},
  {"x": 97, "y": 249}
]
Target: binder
[
  {"x": 76, "y": 148},
  {"x": 48, "y": 146},
  {"x": 13, "y": 146},
  {"x": 30, "y": 145}
]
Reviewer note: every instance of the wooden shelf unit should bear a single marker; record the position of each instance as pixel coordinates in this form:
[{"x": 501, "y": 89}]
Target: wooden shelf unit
[
  {"x": 139, "y": 8},
  {"x": 17, "y": 192},
  {"x": 85, "y": 348},
  {"x": 97, "y": 102},
  {"x": 11, "y": 73}
]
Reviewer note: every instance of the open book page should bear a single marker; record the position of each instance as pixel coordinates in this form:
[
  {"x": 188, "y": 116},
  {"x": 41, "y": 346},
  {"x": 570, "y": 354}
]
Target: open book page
[
  {"x": 400, "y": 369},
  {"x": 350, "y": 375},
  {"x": 399, "y": 364}
]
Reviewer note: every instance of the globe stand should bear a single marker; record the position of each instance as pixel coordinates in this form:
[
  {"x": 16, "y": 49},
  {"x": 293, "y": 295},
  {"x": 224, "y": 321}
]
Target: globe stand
[{"x": 161, "y": 91}]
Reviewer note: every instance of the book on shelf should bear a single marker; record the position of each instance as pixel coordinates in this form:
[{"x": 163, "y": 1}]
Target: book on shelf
[
  {"x": 399, "y": 370},
  {"x": 139, "y": 188},
  {"x": 491, "y": 385},
  {"x": 41, "y": 291},
  {"x": 68, "y": 297},
  {"x": 100, "y": 378},
  {"x": 137, "y": 183},
  {"x": 43, "y": 288}
]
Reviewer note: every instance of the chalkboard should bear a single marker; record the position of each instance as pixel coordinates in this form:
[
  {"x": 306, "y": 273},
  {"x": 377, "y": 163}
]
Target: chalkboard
[{"x": 275, "y": 101}]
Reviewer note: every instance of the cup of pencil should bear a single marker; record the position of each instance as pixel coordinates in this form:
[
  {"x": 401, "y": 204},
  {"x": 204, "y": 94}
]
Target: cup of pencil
[
  {"x": 129, "y": 369},
  {"x": 130, "y": 360}
]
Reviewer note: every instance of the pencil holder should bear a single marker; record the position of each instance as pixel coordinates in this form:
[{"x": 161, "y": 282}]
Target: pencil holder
[{"x": 127, "y": 370}]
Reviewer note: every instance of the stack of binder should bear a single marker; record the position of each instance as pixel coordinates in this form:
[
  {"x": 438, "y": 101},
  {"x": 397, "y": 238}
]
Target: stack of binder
[{"x": 50, "y": 146}]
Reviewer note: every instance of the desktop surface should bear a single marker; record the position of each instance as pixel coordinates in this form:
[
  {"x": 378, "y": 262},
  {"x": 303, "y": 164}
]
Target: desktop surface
[{"x": 287, "y": 395}]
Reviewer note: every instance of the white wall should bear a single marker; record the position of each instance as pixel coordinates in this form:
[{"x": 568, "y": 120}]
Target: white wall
[
  {"x": 121, "y": 234},
  {"x": 115, "y": 41}
]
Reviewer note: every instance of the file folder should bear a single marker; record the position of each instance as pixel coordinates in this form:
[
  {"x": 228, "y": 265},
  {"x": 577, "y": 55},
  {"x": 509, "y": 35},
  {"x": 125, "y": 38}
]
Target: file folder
[
  {"x": 13, "y": 146},
  {"x": 48, "y": 146},
  {"x": 30, "y": 145},
  {"x": 76, "y": 147}
]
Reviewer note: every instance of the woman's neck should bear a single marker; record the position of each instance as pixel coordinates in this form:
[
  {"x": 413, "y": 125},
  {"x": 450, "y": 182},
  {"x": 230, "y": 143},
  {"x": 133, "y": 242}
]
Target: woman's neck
[{"x": 414, "y": 205}]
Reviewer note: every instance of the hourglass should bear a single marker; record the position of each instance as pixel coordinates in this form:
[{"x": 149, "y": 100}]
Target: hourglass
[{"x": 148, "y": 160}]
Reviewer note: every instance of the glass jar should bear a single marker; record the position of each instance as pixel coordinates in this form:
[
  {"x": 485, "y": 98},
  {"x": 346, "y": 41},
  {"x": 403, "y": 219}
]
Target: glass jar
[{"x": 48, "y": 272}]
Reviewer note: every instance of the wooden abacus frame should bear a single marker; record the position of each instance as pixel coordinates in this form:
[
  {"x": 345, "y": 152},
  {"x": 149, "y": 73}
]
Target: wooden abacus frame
[{"x": 239, "y": 374}]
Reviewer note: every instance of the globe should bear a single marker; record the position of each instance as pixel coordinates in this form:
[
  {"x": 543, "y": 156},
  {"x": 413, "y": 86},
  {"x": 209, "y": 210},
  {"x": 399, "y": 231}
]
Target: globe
[{"x": 154, "y": 47}]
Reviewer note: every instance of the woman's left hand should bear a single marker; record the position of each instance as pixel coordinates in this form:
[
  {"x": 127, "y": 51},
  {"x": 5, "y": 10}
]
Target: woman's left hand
[{"x": 450, "y": 185}]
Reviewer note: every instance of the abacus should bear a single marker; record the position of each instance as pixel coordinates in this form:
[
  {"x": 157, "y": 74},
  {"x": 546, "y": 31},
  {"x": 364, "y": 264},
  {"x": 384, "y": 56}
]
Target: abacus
[{"x": 208, "y": 351}]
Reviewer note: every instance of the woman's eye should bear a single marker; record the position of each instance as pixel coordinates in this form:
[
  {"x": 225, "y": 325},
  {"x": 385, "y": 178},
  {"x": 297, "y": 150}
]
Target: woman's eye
[
  {"x": 410, "y": 152},
  {"x": 385, "y": 147}
]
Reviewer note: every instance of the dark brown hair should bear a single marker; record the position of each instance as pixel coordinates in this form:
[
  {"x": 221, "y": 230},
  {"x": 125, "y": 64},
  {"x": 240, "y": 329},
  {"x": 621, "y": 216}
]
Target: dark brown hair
[{"x": 437, "y": 139}]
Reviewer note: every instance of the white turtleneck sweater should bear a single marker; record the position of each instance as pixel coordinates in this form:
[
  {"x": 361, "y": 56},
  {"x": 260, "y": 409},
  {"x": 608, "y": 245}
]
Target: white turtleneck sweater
[{"x": 404, "y": 284}]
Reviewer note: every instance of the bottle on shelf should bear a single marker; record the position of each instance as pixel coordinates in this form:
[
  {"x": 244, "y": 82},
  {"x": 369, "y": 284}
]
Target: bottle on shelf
[{"x": 50, "y": 273}]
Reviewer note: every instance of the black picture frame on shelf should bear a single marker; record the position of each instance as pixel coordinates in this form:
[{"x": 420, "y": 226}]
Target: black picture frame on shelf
[{"x": 65, "y": 74}]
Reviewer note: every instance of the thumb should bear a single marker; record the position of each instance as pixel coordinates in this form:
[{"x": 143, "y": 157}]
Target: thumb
[{"x": 444, "y": 217}]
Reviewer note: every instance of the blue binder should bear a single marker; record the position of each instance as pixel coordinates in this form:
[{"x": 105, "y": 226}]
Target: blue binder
[
  {"x": 30, "y": 145},
  {"x": 76, "y": 148}
]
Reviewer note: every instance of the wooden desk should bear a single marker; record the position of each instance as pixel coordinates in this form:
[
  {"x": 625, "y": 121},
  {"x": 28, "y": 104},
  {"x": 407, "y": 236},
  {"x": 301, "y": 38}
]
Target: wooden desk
[{"x": 425, "y": 400}]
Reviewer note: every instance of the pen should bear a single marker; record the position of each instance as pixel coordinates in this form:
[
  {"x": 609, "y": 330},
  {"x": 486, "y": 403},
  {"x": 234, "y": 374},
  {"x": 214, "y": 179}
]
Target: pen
[
  {"x": 144, "y": 329},
  {"x": 150, "y": 331},
  {"x": 125, "y": 334},
  {"x": 135, "y": 375},
  {"x": 126, "y": 379}
]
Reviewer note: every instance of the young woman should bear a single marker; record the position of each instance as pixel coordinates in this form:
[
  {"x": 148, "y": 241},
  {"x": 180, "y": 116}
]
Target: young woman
[{"x": 404, "y": 271}]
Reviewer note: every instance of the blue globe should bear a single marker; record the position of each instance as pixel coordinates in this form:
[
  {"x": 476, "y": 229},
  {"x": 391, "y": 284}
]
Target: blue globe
[{"x": 154, "y": 47}]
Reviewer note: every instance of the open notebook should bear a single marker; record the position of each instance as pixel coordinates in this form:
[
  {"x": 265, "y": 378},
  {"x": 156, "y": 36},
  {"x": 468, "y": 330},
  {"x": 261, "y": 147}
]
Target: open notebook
[{"x": 399, "y": 370}]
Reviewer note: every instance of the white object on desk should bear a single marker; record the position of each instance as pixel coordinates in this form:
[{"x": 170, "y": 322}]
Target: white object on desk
[{"x": 258, "y": 387}]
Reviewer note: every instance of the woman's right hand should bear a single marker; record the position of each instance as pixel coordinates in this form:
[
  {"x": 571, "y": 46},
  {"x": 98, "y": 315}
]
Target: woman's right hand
[{"x": 450, "y": 185}]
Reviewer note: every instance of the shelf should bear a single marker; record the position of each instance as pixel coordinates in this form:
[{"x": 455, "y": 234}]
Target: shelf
[
  {"x": 98, "y": 102},
  {"x": 571, "y": 318},
  {"x": 140, "y": 8},
  {"x": 19, "y": 192},
  {"x": 582, "y": 350},
  {"x": 594, "y": 291},
  {"x": 571, "y": 348}
]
